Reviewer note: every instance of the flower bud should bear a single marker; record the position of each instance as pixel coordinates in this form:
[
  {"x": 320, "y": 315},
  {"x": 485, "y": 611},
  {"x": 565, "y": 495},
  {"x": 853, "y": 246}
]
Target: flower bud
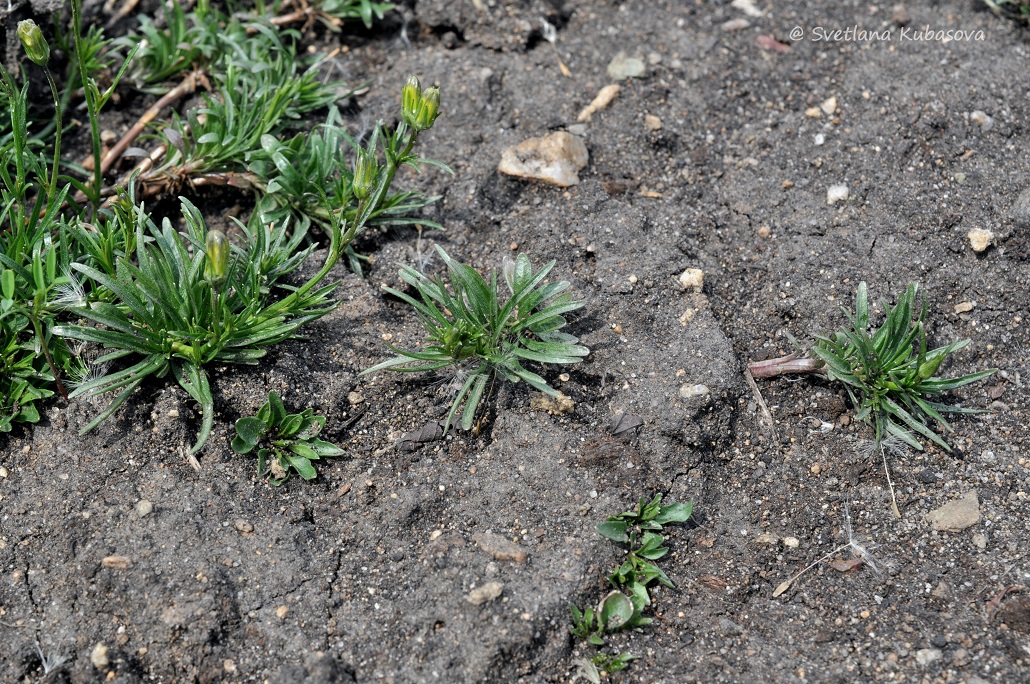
[
  {"x": 366, "y": 170},
  {"x": 32, "y": 40},
  {"x": 411, "y": 95},
  {"x": 428, "y": 110},
  {"x": 217, "y": 257}
]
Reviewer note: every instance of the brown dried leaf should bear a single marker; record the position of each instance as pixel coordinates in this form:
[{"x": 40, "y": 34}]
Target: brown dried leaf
[
  {"x": 782, "y": 588},
  {"x": 846, "y": 565}
]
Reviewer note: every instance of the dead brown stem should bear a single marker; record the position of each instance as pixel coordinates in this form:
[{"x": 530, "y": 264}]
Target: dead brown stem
[
  {"x": 186, "y": 87},
  {"x": 791, "y": 363}
]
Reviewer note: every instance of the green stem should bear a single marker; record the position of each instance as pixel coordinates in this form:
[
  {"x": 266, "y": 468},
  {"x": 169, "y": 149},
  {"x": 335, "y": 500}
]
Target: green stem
[
  {"x": 57, "y": 134},
  {"x": 91, "y": 105},
  {"x": 37, "y": 328}
]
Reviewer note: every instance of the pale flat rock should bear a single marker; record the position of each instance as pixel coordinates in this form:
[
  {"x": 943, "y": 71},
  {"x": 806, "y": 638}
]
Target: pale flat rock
[
  {"x": 555, "y": 158},
  {"x": 623, "y": 67},
  {"x": 956, "y": 515}
]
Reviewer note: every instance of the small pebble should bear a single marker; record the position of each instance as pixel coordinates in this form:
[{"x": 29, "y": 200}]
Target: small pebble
[
  {"x": 980, "y": 239},
  {"x": 3, "y": 472},
  {"x": 98, "y": 656},
  {"x": 791, "y": 542},
  {"x": 964, "y": 307},
  {"x": 652, "y": 122},
  {"x": 982, "y": 120},
  {"x": 108, "y": 136},
  {"x": 829, "y": 106},
  {"x": 243, "y": 527},
  {"x": 980, "y": 541},
  {"x": 816, "y": 469},
  {"x": 764, "y": 231},
  {"x": 354, "y": 398},
  {"x": 692, "y": 278},
  {"x": 116, "y": 562},
  {"x": 691, "y": 391},
  {"x": 819, "y": 139},
  {"x": 173, "y": 413},
  {"x": 281, "y": 611},
  {"x": 925, "y": 656},
  {"x": 622, "y": 67},
  {"x": 604, "y": 98},
  {"x": 738, "y": 24},
  {"x": 484, "y": 593},
  {"x": 144, "y": 508},
  {"x": 837, "y": 193},
  {"x": 813, "y": 112}
]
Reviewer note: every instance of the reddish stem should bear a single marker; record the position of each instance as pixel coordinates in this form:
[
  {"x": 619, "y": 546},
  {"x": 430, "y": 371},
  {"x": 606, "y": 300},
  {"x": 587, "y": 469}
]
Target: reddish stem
[{"x": 782, "y": 365}]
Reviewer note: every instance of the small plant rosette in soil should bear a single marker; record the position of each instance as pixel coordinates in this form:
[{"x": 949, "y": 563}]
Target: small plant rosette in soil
[
  {"x": 623, "y": 607},
  {"x": 285, "y": 442},
  {"x": 473, "y": 332},
  {"x": 889, "y": 373}
]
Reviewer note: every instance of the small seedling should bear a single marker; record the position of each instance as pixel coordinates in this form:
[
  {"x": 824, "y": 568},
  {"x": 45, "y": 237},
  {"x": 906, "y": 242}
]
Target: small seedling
[
  {"x": 592, "y": 669},
  {"x": 639, "y": 529},
  {"x": 469, "y": 327},
  {"x": 859, "y": 553},
  {"x": 888, "y": 373},
  {"x": 284, "y": 441}
]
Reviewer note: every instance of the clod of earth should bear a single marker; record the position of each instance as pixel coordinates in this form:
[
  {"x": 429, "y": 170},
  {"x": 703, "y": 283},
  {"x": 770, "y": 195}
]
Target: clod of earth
[
  {"x": 555, "y": 158},
  {"x": 499, "y": 547},
  {"x": 980, "y": 239},
  {"x": 485, "y": 593},
  {"x": 956, "y": 515},
  {"x": 605, "y": 96}
]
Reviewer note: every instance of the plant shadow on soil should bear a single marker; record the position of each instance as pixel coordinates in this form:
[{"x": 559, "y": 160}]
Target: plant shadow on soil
[{"x": 364, "y": 574}]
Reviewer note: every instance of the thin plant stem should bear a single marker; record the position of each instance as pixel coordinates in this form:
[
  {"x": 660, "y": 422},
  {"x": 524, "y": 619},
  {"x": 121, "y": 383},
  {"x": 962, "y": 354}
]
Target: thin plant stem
[
  {"x": 91, "y": 105},
  {"x": 890, "y": 485},
  {"x": 38, "y": 329},
  {"x": 57, "y": 133}
]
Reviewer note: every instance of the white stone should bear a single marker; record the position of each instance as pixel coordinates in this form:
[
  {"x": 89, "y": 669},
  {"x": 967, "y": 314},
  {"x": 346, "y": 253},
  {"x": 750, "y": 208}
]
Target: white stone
[
  {"x": 837, "y": 193},
  {"x": 980, "y": 239},
  {"x": 691, "y": 391},
  {"x": 692, "y": 278},
  {"x": 485, "y": 592}
]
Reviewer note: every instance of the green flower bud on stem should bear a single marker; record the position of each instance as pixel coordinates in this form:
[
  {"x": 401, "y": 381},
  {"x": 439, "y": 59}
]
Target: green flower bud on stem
[
  {"x": 428, "y": 110},
  {"x": 36, "y": 47},
  {"x": 411, "y": 96},
  {"x": 366, "y": 169},
  {"x": 217, "y": 258}
]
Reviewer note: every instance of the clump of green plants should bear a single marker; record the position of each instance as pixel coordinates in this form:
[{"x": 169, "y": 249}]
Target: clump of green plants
[
  {"x": 1017, "y": 10},
  {"x": 285, "y": 442},
  {"x": 480, "y": 336},
  {"x": 889, "y": 373},
  {"x": 640, "y": 530},
  {"x": 89, "y": 280}
]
